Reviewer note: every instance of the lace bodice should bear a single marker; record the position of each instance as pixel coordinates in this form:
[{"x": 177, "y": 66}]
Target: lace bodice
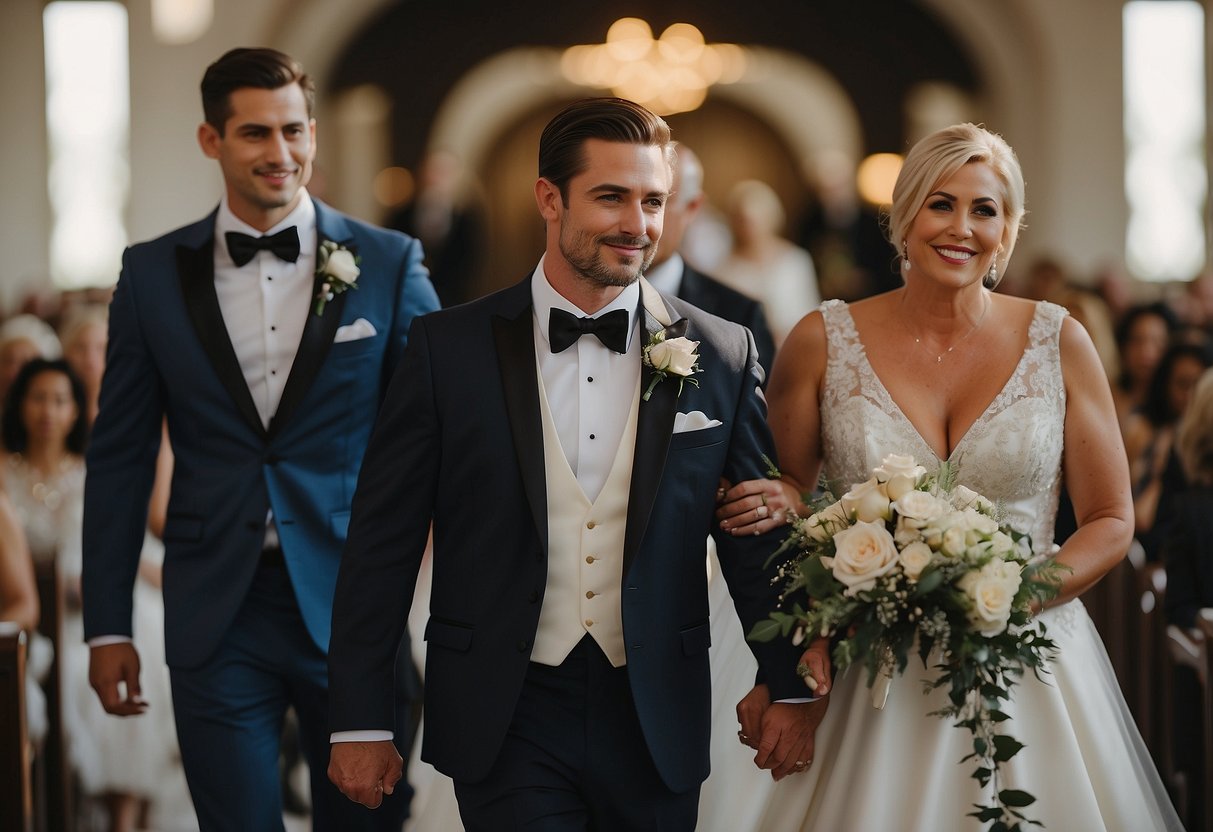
[
  {"x": 50, "y": 510},
  {"x": 1011, "y": 454}
]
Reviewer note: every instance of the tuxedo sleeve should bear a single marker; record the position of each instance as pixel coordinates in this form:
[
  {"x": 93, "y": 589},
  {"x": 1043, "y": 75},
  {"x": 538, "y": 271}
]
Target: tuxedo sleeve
[
  {"x": 121, "y": 466},
  {"x": 743, "y": 559},
  {"x": 389, "y": 526}
]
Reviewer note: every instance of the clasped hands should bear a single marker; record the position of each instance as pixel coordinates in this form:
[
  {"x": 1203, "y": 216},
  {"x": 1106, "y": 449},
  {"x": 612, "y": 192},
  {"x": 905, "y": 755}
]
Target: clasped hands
[{"x": 756, "y": 506}]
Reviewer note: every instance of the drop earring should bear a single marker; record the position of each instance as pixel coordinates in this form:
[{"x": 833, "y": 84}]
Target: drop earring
[
  {"x": 905, "y": 257},
  {"x": 991, "y": 278}
]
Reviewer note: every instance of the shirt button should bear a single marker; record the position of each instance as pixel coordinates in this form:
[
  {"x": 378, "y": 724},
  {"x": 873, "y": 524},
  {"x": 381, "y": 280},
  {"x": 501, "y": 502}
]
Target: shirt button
[
  {"x": 590, "y": 379},
  {"x": 589, "y": 558},
  {"x": 589, "y": 622},
  {"x": 590, "y": 594},
  {"x": 591, "y": 436},
  {"x": 273, "y": 329}
]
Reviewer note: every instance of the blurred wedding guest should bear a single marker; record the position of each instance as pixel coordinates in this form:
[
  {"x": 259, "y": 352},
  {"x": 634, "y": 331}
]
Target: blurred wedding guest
[
  {"x": 83, "y": 335},
  {"x": 1187, "y": 550},
  {"x": 23, "y": 338},
  {"x": 124, "y": 763},
  {"x": 762, "y": 264},
  {"x": 1142, "y": 336},
  {"x": 1115, "y": 287},
  {"x": 1046, "y": 280},
  {"x": 1187, "y": 544},
  {"x": 671, "y": 274},
  {"x": 445, "y": 218},
  {"x": 1150, "y": 437},
  {"x": 19, "y": 607}
]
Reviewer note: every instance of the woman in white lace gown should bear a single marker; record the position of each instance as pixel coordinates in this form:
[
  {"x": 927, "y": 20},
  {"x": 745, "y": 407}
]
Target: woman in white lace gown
[{"x": 1011, "y": 393}]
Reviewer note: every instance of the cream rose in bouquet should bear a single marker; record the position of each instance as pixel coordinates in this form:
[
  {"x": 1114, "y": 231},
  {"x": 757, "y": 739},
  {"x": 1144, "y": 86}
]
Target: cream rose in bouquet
[{"x": 910, "y": 562}]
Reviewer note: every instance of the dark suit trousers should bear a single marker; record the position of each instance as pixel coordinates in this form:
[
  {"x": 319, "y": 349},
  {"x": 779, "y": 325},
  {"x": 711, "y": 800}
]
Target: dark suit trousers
[
  {"x": 229, "y": 714},
  {"x": 575, "y": 759}
]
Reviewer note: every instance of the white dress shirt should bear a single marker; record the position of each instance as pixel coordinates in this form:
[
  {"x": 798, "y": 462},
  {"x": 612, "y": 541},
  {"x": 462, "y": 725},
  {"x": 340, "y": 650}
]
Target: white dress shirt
[
  {"x": 265, "y": 302},
  {"x": 589, "y": 387}
]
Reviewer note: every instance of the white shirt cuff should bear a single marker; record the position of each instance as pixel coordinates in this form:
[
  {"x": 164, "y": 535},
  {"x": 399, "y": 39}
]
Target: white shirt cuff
[
  {"x": 104, "y": 641},
  {"x": 800, "y": 700},
  {"x": 361, "y": 736}
]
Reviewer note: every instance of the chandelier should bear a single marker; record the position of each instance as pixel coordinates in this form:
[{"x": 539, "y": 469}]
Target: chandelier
[{"x": 669, "y": 74}]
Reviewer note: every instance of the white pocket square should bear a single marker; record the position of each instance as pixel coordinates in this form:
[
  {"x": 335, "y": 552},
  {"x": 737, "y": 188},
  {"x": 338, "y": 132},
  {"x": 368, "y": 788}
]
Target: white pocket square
[
  {"x": 695, "y": 420},
  {"x": 359, "y": 329}
]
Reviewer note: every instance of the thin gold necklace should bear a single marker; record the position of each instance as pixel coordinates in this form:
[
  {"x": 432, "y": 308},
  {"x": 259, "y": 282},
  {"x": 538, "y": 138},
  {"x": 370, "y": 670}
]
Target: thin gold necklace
[{"x": 980, "y": 319}]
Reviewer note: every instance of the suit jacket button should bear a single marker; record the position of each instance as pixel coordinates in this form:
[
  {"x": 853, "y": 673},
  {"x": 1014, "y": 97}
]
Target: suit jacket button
[
  {"x": 534, "y": 597},
  {"x": 523, "y": 646}
]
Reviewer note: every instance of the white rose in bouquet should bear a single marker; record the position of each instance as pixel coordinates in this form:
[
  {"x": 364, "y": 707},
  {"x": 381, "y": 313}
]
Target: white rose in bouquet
[
  {"x": 920, "y": 507},
  {"x": 862, "y": 554},
  {"x": 965, "y": 497},
  {"x": 992, "y": 590},
  {"x": 1001, "y": 544},
  {"x": 867, "y": 502},
  {"x": 822, "y": 525},
  {"x": 900, "y": 474},
  {"x": 979, "y": 525},
  {"x": 955, "y": 541},
  {"x": 914, "y": 558}
]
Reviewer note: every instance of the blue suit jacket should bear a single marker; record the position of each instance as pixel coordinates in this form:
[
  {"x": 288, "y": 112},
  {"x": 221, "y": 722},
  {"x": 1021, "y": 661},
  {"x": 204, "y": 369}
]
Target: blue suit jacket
[
  {"x": 170, "y": 356},
  {"x": 459, "y": 439}
]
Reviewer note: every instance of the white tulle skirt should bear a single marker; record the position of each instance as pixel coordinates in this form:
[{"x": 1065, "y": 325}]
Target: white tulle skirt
[{"x": 899, "y": 769}]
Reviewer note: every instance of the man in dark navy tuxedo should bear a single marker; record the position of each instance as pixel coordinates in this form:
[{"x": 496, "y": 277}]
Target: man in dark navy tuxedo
[
  {"x": 672, "y": 275},
  {"x": 264, "y": 335},
  {"x": 568, "y": 456}
]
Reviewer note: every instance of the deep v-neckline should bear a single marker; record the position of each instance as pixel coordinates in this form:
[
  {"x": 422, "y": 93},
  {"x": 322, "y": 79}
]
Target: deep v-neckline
[{"x": 980, "y": 416}]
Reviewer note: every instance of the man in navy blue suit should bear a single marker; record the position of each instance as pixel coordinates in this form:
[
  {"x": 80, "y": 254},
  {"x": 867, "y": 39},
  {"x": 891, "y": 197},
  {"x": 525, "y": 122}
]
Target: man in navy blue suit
[
  {"x": 566, "y": 437},
  {"x": 264, "y": 336}
]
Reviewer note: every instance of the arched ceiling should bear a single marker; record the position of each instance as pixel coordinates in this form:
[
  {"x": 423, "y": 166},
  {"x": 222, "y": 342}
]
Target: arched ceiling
[{"x": 876, "y": 50}]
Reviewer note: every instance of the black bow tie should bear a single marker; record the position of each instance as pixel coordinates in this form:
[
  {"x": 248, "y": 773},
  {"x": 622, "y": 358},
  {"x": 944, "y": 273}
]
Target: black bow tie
[
  {"x": 244, "y": 248},
  {"x": 612, "y": 329}
]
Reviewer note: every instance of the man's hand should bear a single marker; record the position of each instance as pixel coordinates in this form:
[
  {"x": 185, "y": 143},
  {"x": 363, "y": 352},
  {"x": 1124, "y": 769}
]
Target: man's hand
[
  {"x": 113, "y": 672},
  {"x": 365, "y": 771},
  {"x": 749, "y": 715},
  {"x": 786, "y": 743}
]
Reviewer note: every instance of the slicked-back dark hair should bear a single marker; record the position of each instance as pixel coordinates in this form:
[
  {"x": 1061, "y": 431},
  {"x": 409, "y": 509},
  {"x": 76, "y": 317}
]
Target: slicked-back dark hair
[
  {"x": 261, "y": 68},
  {"x": 562, "y": 145},
  {"x": 12, "y": 425}
]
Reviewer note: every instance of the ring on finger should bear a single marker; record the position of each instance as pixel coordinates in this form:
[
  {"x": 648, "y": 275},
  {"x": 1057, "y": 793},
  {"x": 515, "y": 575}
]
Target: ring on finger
[
  {"x": 763, "y": 496},
  {"x": 743, "y": 736}
]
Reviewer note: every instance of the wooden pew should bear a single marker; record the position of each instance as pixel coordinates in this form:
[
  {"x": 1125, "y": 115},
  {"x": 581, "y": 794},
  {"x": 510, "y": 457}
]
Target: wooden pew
[
  {"x": 1147, "y": 636},
  {"x": 16, "y": 789},
  {"x": 56, "y": 792},
  {"x": 1188, "y": 650}
]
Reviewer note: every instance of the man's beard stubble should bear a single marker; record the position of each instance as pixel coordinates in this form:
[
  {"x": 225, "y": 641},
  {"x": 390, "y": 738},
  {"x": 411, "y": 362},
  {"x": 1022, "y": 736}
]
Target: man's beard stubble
[{"x": 584, "y": 254}]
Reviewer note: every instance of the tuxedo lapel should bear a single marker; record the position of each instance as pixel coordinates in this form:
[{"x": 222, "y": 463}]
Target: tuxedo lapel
[
  {"x": 319, "y": 330},
  {"x": 654, "y": 426},
  {"x": 196, "y": 271},
  {"x": 514, "y": 335}
]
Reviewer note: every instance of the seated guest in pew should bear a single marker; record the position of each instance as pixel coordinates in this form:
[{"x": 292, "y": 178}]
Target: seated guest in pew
[
  {"x": 1187, "y": 551},
  {"x": 19, "y": 608}
]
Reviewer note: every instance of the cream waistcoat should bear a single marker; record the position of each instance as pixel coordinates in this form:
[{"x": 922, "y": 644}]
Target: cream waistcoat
[{"x": 585, "y": 549}]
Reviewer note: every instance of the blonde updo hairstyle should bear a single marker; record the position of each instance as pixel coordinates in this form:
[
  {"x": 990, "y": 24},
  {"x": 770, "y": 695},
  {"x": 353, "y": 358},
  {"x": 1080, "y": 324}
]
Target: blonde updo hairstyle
[{"x": 935, "y": 159}]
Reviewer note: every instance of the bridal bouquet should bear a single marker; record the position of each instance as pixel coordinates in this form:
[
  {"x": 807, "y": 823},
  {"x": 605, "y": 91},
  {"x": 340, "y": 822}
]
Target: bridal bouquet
[{"x": 909, "y": 561}]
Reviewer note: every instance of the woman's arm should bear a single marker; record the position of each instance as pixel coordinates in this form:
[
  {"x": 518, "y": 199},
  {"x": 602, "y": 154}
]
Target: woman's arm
[
  {"x": 18, "y": 589},
  {"x": 1096, "y": 469},
  {"x": 757, "y": 506}
]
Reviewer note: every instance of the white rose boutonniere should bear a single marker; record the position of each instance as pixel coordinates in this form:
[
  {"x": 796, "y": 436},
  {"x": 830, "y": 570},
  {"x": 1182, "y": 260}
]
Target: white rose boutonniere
[
  {"x": 670, "y": 357},
  {"x": 337, "y": 268}
]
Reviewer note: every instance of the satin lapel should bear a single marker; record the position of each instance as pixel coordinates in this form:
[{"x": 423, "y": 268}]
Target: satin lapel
[
  {"x": 319, "y": 330},
  {"x": 654, "y": 426},
  {"x": 196, "y": 271},
  {"x": 515, "y": 339}
]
